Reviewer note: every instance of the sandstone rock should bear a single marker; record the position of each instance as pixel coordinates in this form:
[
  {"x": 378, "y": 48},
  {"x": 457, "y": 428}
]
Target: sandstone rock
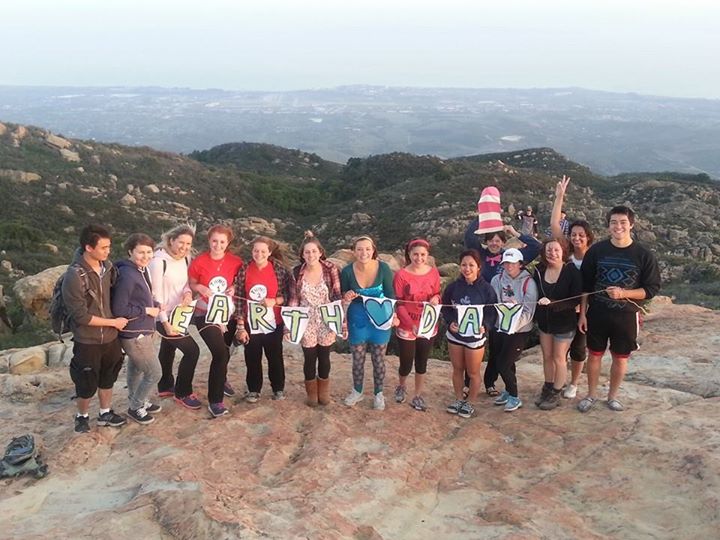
[
  {"x": 57, "y": 142},
  {"x": 20, "y": 176},
  {"x": 52, "y": 248},
  {"x": 3, "y": 129},
  {"x": 449, "y": 269},
  {"x": 56, "y": 356},
  {"x": 359, "y": 218},
  {"x": 34, "y": 292},
  {"x": 69, "y": 155},
  {"x": 152, "y": 188},
  {"x": 128, "y": 200},
  {"x": 20, "y": 133},
  {"x": 391, "y": 261},
  {"x": 27, "y": 361}
]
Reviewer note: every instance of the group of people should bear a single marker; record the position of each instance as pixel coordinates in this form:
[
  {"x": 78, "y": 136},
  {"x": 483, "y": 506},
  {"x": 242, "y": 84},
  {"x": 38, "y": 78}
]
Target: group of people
[{"x": 581, "y": 296}]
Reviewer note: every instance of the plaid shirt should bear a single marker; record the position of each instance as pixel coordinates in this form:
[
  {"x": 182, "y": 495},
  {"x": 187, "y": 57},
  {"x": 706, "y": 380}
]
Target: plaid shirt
[
  {"x": 331, "y": 277},
  {"x": 286, "y": 288}
]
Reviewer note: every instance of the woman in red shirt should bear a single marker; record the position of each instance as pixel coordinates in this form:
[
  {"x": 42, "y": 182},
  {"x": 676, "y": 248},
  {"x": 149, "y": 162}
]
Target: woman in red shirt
[
  {"x": 265, "y": 280},
  {"x": 210, "y": 273},
  {"x": 417, "y": 282}
]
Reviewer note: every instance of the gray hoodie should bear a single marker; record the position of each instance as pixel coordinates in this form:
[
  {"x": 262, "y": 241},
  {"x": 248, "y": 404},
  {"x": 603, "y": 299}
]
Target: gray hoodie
[
  {"x": 520, "y": 290},
  {"x": 82, "y": 305}
]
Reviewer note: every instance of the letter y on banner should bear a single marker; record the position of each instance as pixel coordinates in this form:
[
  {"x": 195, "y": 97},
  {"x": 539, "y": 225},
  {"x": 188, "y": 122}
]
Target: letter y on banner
[
  {"x": 508, "y": 317},
  {"x": 296, "y": 320},
  {"x": 332, "y": 315},
  {"x": 261, "y": 319},
  {"x": 470, "y": 319},
  {"x": 427, "y": 327}
]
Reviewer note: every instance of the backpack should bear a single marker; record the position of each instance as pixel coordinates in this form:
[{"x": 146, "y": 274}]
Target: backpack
[
  {"x": 22, "y": 456},
  {"x": 59, "y": 316}
]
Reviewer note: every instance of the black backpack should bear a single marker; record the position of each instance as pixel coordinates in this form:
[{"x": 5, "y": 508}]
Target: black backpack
[{"x": 59, "y": 316}]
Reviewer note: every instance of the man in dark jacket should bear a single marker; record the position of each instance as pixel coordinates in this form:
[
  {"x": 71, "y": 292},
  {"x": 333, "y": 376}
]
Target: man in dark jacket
[{"x": 97, "y": 356}]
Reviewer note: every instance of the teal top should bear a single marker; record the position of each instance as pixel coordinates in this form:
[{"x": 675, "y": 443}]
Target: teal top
[{"x": 360, "y": 329}]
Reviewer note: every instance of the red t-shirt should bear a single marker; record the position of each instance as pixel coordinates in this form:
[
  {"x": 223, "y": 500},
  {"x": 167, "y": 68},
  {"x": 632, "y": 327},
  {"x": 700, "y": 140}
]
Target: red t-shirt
[
  {"x": 417, "y": 289},
  {"x": 261, "y": 284},
  {"x": 218, "y": 275}
]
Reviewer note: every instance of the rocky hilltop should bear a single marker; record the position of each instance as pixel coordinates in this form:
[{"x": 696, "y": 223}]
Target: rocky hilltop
[{"x": 283, "y": 470}]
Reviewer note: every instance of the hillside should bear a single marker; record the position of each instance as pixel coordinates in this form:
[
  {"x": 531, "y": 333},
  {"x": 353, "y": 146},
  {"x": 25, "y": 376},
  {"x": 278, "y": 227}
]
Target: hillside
[{"x": 51, "y": 186}]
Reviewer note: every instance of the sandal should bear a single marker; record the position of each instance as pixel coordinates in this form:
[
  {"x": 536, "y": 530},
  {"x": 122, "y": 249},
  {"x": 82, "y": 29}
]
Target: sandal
[
  {"x": 615, "y": 405},
  {"x": 586, "y": 404},
  {"x": 492, "y": 392}
]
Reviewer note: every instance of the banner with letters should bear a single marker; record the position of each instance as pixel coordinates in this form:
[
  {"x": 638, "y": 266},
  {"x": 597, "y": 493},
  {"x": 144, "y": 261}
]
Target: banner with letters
[
  {"x": 181, "y": 316},
  {"x": 427, "y": 326},
  {"x": 220, "y": 308},
  {"x": 296, "y": 322},
  {"x": 260, "y": 318}
]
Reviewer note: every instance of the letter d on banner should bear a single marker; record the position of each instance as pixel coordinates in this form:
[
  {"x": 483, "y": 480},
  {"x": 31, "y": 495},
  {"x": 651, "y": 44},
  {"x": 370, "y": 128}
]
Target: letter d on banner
[
  {"x": 332, "y": 315},
  {"x": 427, "y": 327}
]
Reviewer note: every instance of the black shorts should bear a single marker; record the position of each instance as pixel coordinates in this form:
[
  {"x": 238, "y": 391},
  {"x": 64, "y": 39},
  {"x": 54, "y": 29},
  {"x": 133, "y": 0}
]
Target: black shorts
[
  {"x": 95, "y": 366},
  {"x": 618, "y": 327}
]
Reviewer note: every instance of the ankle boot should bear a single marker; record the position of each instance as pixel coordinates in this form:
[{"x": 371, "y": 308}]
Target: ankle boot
[
  {"x": 323, "y": 386},
  {"x": 311, "y": 387}
]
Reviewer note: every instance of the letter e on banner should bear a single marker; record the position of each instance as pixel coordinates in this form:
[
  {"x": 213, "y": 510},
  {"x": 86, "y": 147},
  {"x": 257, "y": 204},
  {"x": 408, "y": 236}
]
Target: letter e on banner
[
  {"x": 220, "y": 307},
  {"x": 181, "y": 316},
  {"x": 332, "y": 315},
  {"x": 427, "y": 327}
]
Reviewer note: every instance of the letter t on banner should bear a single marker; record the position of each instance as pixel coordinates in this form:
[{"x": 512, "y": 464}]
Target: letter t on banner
[
  {"x": 427, "y": 327},
  {"x": 296, "y": 320},
  {"x": 261, "y": 320},
  {"x": 332, "y": 315}
]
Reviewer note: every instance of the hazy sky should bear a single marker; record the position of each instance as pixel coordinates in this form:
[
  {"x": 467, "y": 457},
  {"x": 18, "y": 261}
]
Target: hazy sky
[{"x": 652, "y": 47}]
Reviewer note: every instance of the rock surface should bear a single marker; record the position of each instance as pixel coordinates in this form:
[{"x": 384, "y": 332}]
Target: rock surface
[
  {"x": 34, "y": 292},
  {"x": 283, "y": 470}
]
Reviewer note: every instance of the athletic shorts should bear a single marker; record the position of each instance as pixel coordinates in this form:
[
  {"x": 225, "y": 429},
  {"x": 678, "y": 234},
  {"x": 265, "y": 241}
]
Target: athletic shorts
[
  {"x": 620, "y": 328},
  {"x": 95, "y": 366},
  {"x": 472, "y": 345}
]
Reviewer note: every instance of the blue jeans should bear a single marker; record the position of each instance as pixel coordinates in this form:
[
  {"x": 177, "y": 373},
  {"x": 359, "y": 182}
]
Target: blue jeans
[{"x": 143, "y": 369}]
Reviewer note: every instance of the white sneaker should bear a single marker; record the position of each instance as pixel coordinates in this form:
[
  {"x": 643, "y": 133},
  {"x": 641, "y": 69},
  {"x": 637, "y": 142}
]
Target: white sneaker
[
  {"x": 570, "y": 391},
  {"x": 354, "y": 397},
  {"x": 379, "y": 402}
]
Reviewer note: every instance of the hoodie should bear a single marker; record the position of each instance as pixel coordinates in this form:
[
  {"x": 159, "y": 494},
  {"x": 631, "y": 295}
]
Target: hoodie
[
  {"x": 519, "y": 290},
  {"x": 469, "y": 294},
  {"x": 82, "y": 305},
  {"x": 169, "y": 278},
  {"x": 131, "y": 294}
]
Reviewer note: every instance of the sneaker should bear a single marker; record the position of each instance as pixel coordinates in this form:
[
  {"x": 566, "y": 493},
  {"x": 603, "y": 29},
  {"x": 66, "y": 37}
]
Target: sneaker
[
  {"x": 217, "y": 409},
  {"x": 228, "y": 390},
  {"x": 454, "y": 407},
  {"x": 502, "y": 399},
  {"x": 252, "y": 397},
  {"x": 615, "y": 405},
  {"x": 400, "y": 394},
  {"x": 82, "y": 424},
  {"x": 189, "y": 402},
  {"x": 466, "y": 410},
  {"x": 379, "y": 402},
  {"x": 354, "y": 398},
  {"x": 570, "y": 391},
  {"x": 418, "y": 403},
  {"x": 550, "y": 402},
  {"x": 586, "y": 404},
  {"x": 141, "y": 416},
  {"x": 544, "y": 394},
  {"x": 110, "y": 419},
  {"x": 512, "y": 404},
  {"x": 170, "y": 392},
  {"x": 279, "y": 395},
  {"x": 152, "y": 408}
]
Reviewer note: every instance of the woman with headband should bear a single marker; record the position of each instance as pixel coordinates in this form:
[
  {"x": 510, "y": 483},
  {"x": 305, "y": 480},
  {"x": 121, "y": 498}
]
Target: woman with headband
[
  {"x": 366, "y": 276},
  {"x": 414, "y": 284}
]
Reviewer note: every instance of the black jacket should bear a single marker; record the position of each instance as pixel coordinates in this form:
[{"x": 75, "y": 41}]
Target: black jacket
[{"x": 560, "y": 316}]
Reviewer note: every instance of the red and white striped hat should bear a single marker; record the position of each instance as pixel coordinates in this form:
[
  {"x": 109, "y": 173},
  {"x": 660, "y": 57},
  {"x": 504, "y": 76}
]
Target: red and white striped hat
[{"x": 489, "y": 211}]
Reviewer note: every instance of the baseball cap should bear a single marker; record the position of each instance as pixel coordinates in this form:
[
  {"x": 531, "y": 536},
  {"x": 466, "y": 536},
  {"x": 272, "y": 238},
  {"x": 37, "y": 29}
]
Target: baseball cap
[{"x": 512, "y": 255}]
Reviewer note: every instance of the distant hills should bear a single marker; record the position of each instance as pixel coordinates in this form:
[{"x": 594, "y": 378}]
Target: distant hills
[
  {"x": 609, "y": 132},
  {"x": 52, "y": 185}
]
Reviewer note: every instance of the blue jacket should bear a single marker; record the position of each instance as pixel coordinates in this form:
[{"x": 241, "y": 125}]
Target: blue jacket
[
  {"x": 131, "y": 294},
  {"x": 461, "y": 292}
]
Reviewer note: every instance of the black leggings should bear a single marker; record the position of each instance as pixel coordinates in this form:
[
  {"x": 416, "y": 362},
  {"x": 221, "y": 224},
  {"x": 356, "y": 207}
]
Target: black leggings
[
  {"x": 507, "y": 351},
  {"x": 319, "y": 355},
  {"x": 272, "y": 344},
  {"x": 219, "y": 344},
  {"x": 578, "y": 347},
  {"x": 491, "y": 373},
  {"x": 186, "y": 369},
  {"x": 418, "y": 350}
]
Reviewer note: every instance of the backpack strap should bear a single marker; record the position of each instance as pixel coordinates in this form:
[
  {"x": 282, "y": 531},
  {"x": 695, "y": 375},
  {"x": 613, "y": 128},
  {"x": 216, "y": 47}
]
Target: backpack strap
[{"x": 525, "y": 285}]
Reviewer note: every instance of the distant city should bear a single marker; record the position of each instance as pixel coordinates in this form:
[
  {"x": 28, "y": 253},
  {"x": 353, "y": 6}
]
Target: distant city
[{"x": 609, "y": 132}]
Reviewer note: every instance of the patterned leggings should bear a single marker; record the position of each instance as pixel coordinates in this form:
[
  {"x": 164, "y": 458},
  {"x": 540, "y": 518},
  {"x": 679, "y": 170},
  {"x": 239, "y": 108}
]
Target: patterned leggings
[{"x": 377, "y": 355}]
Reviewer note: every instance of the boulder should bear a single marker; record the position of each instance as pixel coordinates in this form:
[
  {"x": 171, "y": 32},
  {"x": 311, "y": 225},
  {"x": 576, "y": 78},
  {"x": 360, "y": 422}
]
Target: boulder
[
  {"x": 128, "y": 200},
  {"x": 22, "y": 177},
  {"x": 34, "y": 292},
  {"x": 449, "y": 269},
  {"x": 32, "y": 360},
  {"x": 3, "y": 129},
  {"x": 57, "y": 142},
  {"x": 152, "y": 188},
  {"x": 69, "y": 155},
  {"x": 56, "y": 355}
]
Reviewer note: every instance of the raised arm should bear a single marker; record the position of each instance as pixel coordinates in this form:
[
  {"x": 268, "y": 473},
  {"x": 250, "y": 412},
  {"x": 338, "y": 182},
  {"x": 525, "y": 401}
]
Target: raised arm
[{"x": 560, "y": 189}]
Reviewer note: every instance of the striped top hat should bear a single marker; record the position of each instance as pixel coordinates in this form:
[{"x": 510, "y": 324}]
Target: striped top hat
[{"x": 489, "y": 211}]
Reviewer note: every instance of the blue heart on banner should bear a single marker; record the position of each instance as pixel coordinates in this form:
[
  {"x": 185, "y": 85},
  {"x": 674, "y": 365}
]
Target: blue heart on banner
[{"x": 379, "y": 310}]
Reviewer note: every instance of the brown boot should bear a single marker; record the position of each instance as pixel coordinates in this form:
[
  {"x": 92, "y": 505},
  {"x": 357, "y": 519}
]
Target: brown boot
[
  {"x": 311, "y": 387},
  {"x": 323, "y": 386}
]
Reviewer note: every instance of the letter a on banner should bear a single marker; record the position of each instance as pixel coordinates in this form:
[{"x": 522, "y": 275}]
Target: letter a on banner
[
  {"x": 508, "y": 317},
  {"x": 261, "y": 320},
  {"x": 427, "y": 327},
  {"x": 332, "y": 315},
  {"x": 181, "y": 316},
  {"x": 470, "y": 319},
  {"x": 296, "y": 320},
  {"x": 220, "y": 307}
]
